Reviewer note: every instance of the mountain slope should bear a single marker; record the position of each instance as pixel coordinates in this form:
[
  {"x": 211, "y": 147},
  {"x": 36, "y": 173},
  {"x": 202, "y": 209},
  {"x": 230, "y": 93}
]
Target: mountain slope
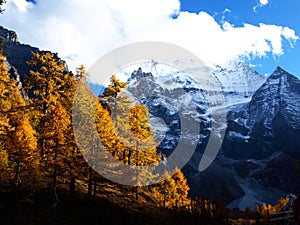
[
  {"x": 269, "y": 123},
  {"x": 238, "y": 81}
]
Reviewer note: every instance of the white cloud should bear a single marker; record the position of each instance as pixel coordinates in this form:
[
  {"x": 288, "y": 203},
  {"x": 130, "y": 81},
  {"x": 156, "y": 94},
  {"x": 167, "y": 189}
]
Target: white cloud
[
  {"x": 21, "y": 5},
  {"x": 261, "y": 3},
  {"x": 264, "y": 2},
  {"x": 226, "y": 11},
  {"x": 82, "y": 31}
]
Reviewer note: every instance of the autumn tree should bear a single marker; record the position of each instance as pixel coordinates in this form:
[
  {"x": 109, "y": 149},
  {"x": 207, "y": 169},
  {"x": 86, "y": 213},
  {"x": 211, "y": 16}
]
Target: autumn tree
[
  {"x": 257, "y": 211},
  {"x": 4, "y": 121},
  {"x": 165, "y": 192},
  {"x": 133, "y": 141},
  {"x": 266, "y": 209},
  {"x": 20, "y": 141},
  {"x": 173, "y": 191},
  {"x": 111, "y": 92},
  {"x": 3, "y": 163},
  {"x": 47, "y": 87},
  {"x": 182, "y": 189},
  {"x": 130, "y": 131},
  {"x": 282, "y": 202},
  {"x": 89, "y": 116},
  {"x": 75, "y": 163},
  {"x": 23, "y": 155}
]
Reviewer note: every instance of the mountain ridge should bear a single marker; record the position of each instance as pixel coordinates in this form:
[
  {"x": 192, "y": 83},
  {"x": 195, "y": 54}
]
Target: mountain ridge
[{"x": 247, "y": 137}]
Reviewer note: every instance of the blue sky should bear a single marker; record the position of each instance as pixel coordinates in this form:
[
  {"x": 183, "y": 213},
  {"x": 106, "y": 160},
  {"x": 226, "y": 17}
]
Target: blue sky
[
  {"x": 279, "y": 12},
  {"x": 264, "y": 33}
]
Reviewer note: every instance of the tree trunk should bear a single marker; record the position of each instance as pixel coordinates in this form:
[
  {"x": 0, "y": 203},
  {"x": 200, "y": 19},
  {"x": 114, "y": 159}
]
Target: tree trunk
[
  {"x": 95, "y": 189},
  {"x": 54, "y": 176},
  {"x": 137, "y": 174},
  {"x": 54, "y": 183},
  {"x": 90, "y": 184},
  {"x": 72, "y": 187},
  {"x": 17, "y": 175},
  {"x": 137, "y": 193}
]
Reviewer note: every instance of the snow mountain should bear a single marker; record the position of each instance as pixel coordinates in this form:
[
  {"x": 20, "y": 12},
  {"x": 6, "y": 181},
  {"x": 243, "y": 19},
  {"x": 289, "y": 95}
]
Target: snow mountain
[
  {"x": 262, "y": 132},
  {"x": 238, "y": 81},
  {"x": 269, "y": 123}
]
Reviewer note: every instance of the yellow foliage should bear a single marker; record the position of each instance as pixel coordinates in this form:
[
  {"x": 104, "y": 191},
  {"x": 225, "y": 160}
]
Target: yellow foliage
[{"x": 172, "y": 192}]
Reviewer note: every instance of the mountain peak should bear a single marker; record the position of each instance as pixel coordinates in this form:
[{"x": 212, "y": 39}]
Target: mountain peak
[
  {"x": 279, "y": 94},
  {"x": 279, "y": 72},
  {"x": 278, "y": 68},
  {"x": 8, "y": 35},
  {"x": 137, "y": 74}
]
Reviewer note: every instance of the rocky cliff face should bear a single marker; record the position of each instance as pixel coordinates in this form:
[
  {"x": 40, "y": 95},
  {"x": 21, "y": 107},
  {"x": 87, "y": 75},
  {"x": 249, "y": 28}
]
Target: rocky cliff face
[
  {"x": 18, "y": 54},
  {"x": 8, "y": 35}
]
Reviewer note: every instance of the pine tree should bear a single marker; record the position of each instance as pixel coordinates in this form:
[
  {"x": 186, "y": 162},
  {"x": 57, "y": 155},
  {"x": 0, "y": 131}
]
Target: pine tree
[
  {"x": 75, "y": 163},
  {"x": 128, "y": 136},
  {"x": 5, "y": 89},
  {"x": 4, "y": 121},
  {"x": 4, "y": 93},
  {"x": 133, "y": 143},
  {"x": 281, "y": 203},
  {"x": 3, "y": 164},
  {"x": 173, "y": 191},
  {"x": 20, "y": 142},
  {"x": 111, "y": 92},
  {"x": 47, "y": 85},
  {"x": 89, "y": 116},
  {"x": 257, "y": 211},
  {"x": 182, "y": 189},
  {"x": 145, "y": 146},
  {"x": 131, "y": 136},
  {"x": 165, "y": 192},
  {"x": 119, "y": 111},
  {"x": 144, "y": 151},
  {"x": 23, "y": 154}
]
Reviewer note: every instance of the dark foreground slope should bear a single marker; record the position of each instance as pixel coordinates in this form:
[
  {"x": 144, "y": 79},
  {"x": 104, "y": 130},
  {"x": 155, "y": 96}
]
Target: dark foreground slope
[{"x": 111, "y": 205}]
